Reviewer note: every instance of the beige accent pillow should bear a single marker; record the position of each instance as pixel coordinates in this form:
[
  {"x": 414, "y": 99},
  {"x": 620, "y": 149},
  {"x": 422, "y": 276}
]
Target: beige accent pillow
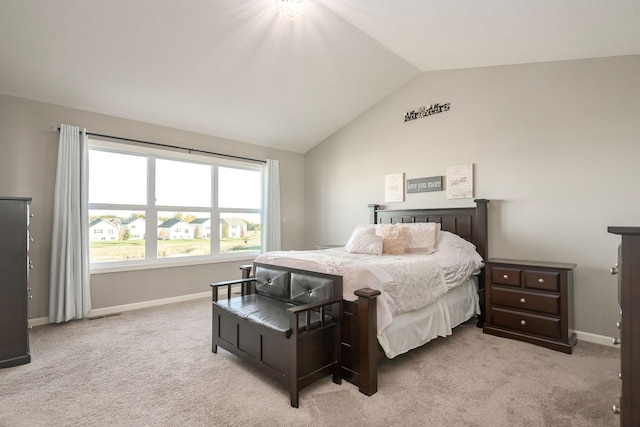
[
  {"x": 364, "y": 240},
  {"x": 422, "y": 237},
  {"x": 394, "y": 236}
]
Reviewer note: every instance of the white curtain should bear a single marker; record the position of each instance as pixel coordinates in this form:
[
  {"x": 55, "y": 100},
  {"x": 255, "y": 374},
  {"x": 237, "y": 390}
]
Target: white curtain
[
  {"x": 69, "y": 294},
  {"x": 271, "y": 240}
]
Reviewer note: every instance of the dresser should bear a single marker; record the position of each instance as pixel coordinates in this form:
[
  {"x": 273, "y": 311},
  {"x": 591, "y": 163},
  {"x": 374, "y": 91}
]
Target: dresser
[
  {"x": 14, "y": 292},
  {"x": 530, "y": 301},
  {"x": 628, "y": 271}
]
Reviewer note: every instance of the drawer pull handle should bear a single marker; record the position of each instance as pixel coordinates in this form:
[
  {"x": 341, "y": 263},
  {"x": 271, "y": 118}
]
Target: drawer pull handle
[
  {"x": 616, "y": 341},
  {"x": 613, "y": 270},
  {"x": 505, "y": 276},
  {"x": 522, "y": 300},
  {"x": 523, "y": 323},
  {"x": 616, "y": 409},
  {"x": 540, "y": 280}
]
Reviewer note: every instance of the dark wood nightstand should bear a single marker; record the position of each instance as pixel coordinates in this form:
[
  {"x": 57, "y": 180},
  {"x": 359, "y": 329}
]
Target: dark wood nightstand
[
  {"x": 530, "y": 301},
  {"x": 328, "y": 246}
]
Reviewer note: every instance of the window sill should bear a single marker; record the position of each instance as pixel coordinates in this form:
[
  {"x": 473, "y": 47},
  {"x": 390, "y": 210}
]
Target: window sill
[{"x": 171, "y": 263}]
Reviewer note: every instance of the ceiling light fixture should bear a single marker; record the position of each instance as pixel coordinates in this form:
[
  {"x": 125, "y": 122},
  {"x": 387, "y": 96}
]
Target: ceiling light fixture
[{"x": 291, "y": 8}]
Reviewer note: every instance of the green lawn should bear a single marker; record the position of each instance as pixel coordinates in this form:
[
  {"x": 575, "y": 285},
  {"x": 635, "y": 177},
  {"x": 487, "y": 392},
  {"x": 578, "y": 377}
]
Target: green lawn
[{"x": 121, "y": 250}]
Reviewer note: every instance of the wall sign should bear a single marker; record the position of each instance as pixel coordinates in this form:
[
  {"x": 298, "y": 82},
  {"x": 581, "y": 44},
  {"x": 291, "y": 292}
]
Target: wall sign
[
  {"x": 394, "y": 187},
  {"x": 460, "y": 181},
  {"x": 422, "y": 185},
  {"x": 429, "y": 110}
]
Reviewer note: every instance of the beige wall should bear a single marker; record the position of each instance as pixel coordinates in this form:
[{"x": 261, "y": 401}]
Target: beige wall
[
  {"x": 555, "y": 146},
  {"x": 28, "y": 156}
]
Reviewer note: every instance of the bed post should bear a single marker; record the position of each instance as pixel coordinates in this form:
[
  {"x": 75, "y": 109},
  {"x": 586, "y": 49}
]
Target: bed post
[
  {"x": 367, "y": 341},
  {"x": 373, "y": 215},
  {"x": 481, "y": 234}
]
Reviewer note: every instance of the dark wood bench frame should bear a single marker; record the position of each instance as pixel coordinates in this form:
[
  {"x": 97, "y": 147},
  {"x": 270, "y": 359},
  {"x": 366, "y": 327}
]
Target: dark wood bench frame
[{"x": 304, "y": 354}]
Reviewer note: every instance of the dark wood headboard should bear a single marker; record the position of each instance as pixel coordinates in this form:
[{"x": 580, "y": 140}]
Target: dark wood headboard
[{"x": 468, "y": 223}]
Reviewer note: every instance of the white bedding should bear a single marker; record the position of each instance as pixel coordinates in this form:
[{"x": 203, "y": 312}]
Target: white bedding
[
  {"x": 413, "y": 329},
  {"x": 407, "y": 282}
]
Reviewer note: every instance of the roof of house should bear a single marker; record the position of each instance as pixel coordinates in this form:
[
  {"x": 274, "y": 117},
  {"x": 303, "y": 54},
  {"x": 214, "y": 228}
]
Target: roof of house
[
  {"x": 99, "y": 220},
  {"x": 130, "y": 220},
  {"x": 233, "y": 221},
  {"x": 170, "y": 223},
  {"x": 200, "y": 220}
]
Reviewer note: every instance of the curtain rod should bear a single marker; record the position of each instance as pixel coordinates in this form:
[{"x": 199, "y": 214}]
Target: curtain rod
[{"x": 157, "y": 144}]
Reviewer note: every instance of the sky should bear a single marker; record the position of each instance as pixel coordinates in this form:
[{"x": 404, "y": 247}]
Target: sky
[{"x": 118, "y": 178}]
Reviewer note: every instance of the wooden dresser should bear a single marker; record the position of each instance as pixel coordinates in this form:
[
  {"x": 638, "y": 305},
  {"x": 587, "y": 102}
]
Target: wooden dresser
[
  {"x": 530, "y": 301},
  {"x": 14, "y": 272},
  {"x": 628, "y": 270}
]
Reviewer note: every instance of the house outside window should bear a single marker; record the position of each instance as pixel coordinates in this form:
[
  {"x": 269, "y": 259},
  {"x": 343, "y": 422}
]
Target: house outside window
[{"x": 150, "y": 207}]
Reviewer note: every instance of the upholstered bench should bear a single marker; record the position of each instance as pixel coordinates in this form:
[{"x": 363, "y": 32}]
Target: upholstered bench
[{"x": 287, "y": 323}]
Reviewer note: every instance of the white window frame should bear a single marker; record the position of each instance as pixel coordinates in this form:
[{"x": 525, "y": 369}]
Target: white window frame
[{"x": 151, "y": 210}]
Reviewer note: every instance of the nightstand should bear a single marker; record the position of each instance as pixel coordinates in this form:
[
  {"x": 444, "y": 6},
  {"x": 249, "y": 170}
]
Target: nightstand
[
  {"x": 530, "y": 301},
  {"x": 328, "y": 246}
]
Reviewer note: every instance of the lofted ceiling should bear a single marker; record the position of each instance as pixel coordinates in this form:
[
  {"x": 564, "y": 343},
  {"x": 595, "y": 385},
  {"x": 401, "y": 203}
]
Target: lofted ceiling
[{"x": 237, "y": 69}]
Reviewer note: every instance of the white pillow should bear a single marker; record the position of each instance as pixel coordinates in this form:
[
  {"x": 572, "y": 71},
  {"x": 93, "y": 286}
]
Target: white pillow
[
  {"x": 422, "y": 237},
  {"x": 364, "y": 240}
]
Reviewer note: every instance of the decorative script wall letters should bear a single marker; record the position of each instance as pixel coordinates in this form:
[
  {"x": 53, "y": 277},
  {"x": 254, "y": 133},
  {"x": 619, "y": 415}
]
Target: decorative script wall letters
[{"x": 426, "y": 111}]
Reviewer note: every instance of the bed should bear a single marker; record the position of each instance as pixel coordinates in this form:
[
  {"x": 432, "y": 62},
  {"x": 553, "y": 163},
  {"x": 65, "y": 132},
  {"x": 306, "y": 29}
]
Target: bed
[{"x": 375, "y": 325}]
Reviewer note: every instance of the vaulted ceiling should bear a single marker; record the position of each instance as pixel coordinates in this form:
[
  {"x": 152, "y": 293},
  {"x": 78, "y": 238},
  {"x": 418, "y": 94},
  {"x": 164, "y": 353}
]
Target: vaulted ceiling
[{"x": 239, "y": 70}]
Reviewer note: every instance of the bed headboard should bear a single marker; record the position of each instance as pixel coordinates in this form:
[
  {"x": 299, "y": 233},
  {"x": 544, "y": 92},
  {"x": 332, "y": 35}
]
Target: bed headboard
[{"x": 468, "y": 223}]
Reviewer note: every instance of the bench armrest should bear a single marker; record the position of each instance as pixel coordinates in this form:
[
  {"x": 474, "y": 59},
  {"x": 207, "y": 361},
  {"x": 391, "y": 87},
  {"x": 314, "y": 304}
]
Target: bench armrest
[
  {"x": 245, "y": 287},
  {"x": 321, "y": 306},
  {"x": 312, "y": 305}
]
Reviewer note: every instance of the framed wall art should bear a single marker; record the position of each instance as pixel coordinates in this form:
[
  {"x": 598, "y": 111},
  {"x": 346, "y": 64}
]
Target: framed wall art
[
  {"x": 460, "y": 181},
  {"x": 394, "y": 187}
]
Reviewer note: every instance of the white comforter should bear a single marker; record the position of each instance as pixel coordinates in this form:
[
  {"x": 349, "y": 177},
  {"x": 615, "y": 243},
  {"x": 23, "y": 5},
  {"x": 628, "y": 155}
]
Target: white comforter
[{"x": 406, "y": 282}]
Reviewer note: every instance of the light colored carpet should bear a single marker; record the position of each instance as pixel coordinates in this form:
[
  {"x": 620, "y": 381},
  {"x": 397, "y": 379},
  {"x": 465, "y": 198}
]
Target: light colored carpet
[{"x": 154, "y": 367}]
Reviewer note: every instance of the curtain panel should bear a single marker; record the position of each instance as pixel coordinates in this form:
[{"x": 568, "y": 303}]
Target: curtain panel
[
  {"x": 272, "y": 234},
  {"x": 69, "y": 294}
]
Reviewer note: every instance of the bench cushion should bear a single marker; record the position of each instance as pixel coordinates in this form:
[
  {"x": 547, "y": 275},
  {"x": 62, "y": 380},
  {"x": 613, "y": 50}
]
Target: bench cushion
[
  {"x": 273, "y": 283},
  {"x": 306, "y": 289},
  {"x": 268, "y": 312}
]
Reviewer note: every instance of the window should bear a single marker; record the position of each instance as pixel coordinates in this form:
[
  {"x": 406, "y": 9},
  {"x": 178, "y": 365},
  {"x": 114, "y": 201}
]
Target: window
[{"x": 149, "y": 207}]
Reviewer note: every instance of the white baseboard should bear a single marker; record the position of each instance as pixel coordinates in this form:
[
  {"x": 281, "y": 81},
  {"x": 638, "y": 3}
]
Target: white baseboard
[
  {"x": 108, "y": 311},
  {"x": 38, "y": 321},
  {"x": 597, "y": 339}
]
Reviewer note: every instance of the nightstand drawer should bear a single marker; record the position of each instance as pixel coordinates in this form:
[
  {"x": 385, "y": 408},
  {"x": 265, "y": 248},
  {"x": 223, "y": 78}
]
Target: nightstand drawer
[
  {"x": 544, "y": 280},
  {"x": 541, "y": 303},
  {"x": 505, "y": 276},
  {"x": 528, "y": 323}
]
